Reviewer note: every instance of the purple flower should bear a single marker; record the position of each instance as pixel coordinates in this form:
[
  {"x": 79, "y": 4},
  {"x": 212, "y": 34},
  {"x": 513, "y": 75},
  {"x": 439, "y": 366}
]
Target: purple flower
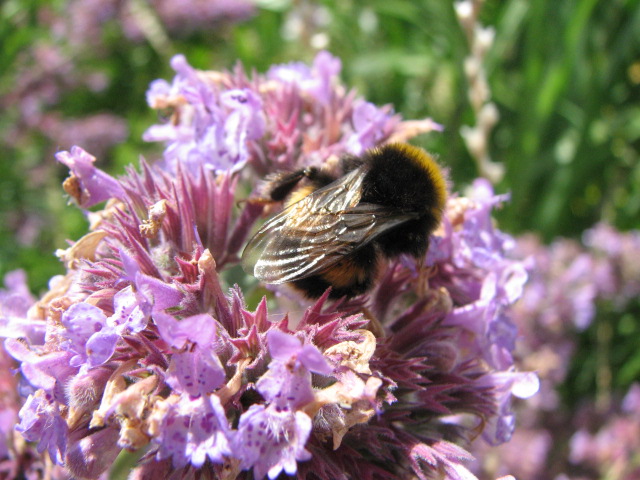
[
  {"x": 151, "y": 294},
  {"x": 287, "y": 383},
  {"x": 631, "y": 401},
  {"x": 87, "y": 336},
  {"x": 15, "y": 302},
  {"x": 286, "y": 348},
  {"x": 195, "y": 369},
  {"x": 568, "y": 282},
  {"x": 41, "y": 421},
  {"x": 215, "y": 129},
  {"x": 88, "y": 185},
  {"x": 504, "y": 385},
  {"x": 199, "y": 330},
  {"x": 42, "y": 370},
  {"x": 154, "y": 295},
  {"x": 159, "y": 91},
  {"x": 131, "y": 312},
  {"x": 245, "y": 106},
  {"x": 317, "y": 81},
  {"x": 370, "y": 127},
  {"x": 324, "y": 71},
  {"x": 15, "y": 297},
  {"x": 607, "y": 446},
  {"x": 146, "y": 345},
  {"x": 194, "y": 430},
  {"x": 272, "y": 441},
  {"x": 292, "y": 73}
]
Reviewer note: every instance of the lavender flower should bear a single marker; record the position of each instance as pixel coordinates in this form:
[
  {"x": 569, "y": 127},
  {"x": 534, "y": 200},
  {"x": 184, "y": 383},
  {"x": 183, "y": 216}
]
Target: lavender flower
[
  {"x": 197, "y": 370},
  {"x": 88, "y": 186},
  {"x": 147, "y": 345},
  {"x": 76, "y": 43},
  {"x": 192, "y": 431},
  {"x": 41, "y": 421},
  {"x": 15, "y": 301},
  {"x": 215, "y": 126},
  {"x": 569, "y": 281},
  {"x": 608, "y": 448}
]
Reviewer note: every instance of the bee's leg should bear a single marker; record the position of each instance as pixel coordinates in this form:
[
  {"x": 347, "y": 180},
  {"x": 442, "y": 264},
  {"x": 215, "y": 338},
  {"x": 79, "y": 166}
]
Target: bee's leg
[
  {"x": 423, "y": 279},
  {"x": 374, "y": 325},
  {"x": 278, "y": 186},
  {"x": 424, "y": 274},
  {"x": 318, "y": 178},
  {"x": 282, "y": 184}
]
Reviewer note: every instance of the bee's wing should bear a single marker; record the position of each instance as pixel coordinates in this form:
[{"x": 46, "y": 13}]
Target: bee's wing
[{"x": 316, "y": 232}]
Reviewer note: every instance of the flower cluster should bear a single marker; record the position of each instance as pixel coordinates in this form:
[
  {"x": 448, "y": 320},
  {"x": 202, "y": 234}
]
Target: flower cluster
[
  {"x": 569, "y": 281},
  {"x": 148, "y": 341},
  {"x": 77, "y": 42}
]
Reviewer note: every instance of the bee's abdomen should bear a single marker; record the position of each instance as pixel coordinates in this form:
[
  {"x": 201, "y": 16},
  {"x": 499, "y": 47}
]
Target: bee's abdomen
[{"x": 351, "y": 276}]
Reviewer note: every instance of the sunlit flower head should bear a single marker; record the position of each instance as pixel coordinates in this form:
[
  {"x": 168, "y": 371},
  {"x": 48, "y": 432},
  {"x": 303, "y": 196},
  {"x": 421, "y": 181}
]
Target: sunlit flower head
[{"x": 156, "y": 341}]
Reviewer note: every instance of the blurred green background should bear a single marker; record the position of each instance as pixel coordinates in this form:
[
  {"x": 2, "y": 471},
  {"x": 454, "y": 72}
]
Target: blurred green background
[{"x": 565, "y": 77}]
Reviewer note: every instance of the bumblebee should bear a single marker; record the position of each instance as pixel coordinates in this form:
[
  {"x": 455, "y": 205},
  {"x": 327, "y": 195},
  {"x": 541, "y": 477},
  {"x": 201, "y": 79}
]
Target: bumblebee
[{"x": 334, "y": 232}]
